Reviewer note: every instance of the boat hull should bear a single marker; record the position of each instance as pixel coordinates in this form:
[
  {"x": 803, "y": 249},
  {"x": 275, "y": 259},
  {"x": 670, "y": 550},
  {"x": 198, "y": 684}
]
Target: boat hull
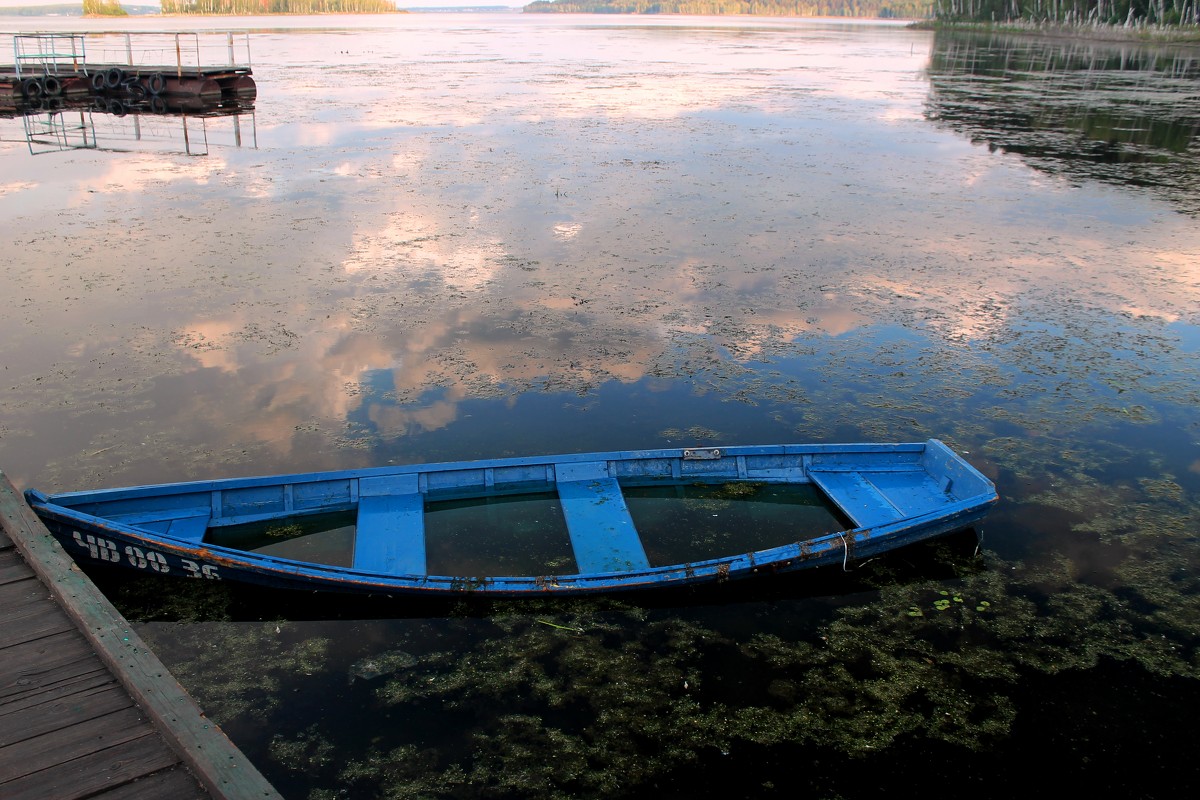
[{"x": 895, "y": 494}]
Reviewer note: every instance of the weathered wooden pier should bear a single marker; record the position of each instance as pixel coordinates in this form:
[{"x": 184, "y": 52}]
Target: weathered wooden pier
[{"x": 86, "y": 709}]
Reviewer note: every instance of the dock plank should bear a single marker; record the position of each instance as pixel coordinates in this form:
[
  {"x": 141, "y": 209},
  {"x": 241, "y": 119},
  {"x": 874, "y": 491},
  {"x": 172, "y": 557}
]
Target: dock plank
[
  {"x": 31, "y": 664},
  {"x": 60, "y": 710},
  {"x": 86, "y": 774},
  {"x": 12, "y": 567},
  {"x": 164, "y": 785},
  {"x": 82, "y": 739},
  {"x": 54, "y": 686},
  {"x": 17, "y": 594},
  {"x": 31, "y": 622}
]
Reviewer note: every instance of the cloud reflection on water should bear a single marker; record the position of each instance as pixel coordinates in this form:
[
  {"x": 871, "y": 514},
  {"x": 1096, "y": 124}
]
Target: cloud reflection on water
[{"x": 483, "y": 215}]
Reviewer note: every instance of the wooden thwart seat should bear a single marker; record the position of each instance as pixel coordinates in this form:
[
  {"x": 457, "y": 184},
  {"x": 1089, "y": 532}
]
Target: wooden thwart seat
[
  {"x": 855, "y": 495},
  {"x": 390, "y": 532},
  {"x": 602, "y": 532},
  {"x": 190, "y": 524}
]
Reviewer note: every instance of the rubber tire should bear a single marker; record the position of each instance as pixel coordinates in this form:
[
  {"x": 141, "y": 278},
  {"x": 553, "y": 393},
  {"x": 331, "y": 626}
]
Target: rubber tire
[
  {"x": 32, "y": 88},
  {"x": 114, "y": 77}
]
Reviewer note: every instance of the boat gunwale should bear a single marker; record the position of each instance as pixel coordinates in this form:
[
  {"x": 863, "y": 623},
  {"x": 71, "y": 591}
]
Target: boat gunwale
[{"x": 221, "y": 484}]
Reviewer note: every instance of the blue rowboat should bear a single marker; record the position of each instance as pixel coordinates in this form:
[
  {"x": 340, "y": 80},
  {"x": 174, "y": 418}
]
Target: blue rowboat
[{"x": 553, "y": 525}]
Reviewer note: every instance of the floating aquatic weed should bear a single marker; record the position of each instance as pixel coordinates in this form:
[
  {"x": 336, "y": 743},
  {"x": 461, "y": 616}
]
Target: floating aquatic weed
[
  {"x": 694, "y": 434},
  {"x": 375, "y": 666},
  {"x": 736, "y": 490},
  {"x": 142, "y": 599},
  {"x": 1162, "y": 488},
  {"x": 237, "y": 671},
  {"x": 282, "y": 531},
  {"x": 310, "y": 753}
]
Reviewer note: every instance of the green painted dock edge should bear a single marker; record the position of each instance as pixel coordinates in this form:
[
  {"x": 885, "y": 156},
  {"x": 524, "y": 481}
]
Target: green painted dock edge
[{"x": 214, "y": 760}]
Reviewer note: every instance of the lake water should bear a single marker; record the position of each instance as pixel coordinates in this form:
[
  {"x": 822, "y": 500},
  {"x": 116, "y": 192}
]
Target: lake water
[{"x": 443, "y": 236}]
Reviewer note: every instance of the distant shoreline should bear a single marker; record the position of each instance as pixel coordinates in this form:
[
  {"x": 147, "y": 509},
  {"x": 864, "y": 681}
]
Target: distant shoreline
[
  {"x": 1175, "y": 35},
  {"x": 1131, "y": 34}
]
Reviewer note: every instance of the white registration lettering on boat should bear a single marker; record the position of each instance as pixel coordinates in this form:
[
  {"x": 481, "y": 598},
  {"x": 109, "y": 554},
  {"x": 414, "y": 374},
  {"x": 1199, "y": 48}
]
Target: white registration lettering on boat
[
  {"x": 195, "y": 570},
  {"x": 98, "y": 547},
  {"x": 156, "y": 561}
]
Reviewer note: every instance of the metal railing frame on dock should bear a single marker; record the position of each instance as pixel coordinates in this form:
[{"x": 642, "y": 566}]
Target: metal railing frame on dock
[
  {"x": 214, "y": 760},
  {"x": 53, "y": 59},
  {"x": 49, "y": 60}
]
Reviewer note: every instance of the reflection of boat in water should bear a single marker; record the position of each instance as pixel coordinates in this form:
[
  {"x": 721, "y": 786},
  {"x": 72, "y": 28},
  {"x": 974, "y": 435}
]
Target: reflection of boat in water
[{"x": 554, "y": 525}]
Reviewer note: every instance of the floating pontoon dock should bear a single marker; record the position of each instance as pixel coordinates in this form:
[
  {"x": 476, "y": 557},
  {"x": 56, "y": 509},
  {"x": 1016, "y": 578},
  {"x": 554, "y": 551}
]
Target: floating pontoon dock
[{"x": 53, "y": 65}]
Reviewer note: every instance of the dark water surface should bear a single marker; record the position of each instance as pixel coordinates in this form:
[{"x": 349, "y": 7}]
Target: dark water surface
[{"x": 454, "y": 236}]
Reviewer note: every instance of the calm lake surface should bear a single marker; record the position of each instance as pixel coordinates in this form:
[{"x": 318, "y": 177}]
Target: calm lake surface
[{"x": 444, "y": 236}]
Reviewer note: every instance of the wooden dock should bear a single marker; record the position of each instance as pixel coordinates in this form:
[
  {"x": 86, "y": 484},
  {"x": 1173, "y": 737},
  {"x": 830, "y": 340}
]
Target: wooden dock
[
  {"x": 50, "y": 67},
  {"x": 86, "y": 710}
]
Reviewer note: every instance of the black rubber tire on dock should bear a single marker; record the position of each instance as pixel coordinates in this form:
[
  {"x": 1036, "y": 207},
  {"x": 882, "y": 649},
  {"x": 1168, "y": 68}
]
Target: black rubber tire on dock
[
  {"x": 52, "y": 86},
  {"x": 156, "y": 83},
  {"x": 114, "y": 77},
  {"x": 98, "y": 81},
  {"x": 32, "y": 88}
]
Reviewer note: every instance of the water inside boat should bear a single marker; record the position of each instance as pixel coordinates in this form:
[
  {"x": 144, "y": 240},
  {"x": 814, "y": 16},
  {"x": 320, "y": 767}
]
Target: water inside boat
[
  {"x": 318, "y": 538},
  {"x": 526, "y": 534},
  {"x": 680, "y": 524}
]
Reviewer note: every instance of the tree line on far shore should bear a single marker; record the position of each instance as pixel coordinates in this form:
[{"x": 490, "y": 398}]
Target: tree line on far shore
[
  {"x": 1070, "y": 12},
  {"x": 882, "y": 9},
  {"x": 1076, "y": 12},
  {"x": 103, "y": 8},
  {"x": 1101, "y": 12},
  {"x": 278, "y": 6}
]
